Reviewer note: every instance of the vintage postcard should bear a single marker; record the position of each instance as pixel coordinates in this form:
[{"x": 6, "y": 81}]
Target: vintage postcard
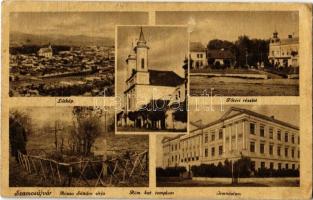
[{"x": 154, "y": 100}]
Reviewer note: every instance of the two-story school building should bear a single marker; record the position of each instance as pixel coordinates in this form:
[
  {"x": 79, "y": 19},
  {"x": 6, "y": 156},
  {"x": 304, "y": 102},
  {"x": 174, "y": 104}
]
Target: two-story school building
[{"x": 267, "y": 141}]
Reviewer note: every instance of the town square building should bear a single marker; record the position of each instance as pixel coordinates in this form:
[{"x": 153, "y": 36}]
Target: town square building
[
  {"x": 147, "y": 88},
  {"x": 198, "y": 55},
  {"x": 267, "y": 141},
  {"x": 284, "y": 52}
]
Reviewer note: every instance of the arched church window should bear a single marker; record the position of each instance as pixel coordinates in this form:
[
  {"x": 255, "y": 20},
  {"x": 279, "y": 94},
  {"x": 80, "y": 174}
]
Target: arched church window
[{"x": 142, "y": 63}]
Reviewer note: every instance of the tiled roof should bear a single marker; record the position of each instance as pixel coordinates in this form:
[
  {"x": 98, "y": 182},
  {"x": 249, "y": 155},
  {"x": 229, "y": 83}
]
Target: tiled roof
[
  {"x": 290, "y": 41},
  {"x": 220, "y": 54},
  {"x": 197, "y": 47},
  {"x": 165, "y": 78},
  {"x": 45, "y": 50}
]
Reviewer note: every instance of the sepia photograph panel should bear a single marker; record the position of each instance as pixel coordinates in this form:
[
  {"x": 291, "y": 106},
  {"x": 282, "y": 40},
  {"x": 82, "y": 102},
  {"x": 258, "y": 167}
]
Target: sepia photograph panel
[
  {"x": 152, "y": 72},
  {"x": 241, "y": 53},
  {"x": 250, "y": 146},
  {"x": 73, "y": 147},
  {"x": 64, "y": 53}
]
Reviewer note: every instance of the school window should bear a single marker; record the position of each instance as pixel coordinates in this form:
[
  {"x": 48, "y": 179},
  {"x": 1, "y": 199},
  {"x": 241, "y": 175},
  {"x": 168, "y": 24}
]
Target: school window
[
  {"x": 279, "y": 165},
  {"x": 286, "y": 166},
  {"x": 298, "y": 154},
  {"x": 278, "y": 151},
  {"x": 220, "y": 150},
  {"x": 212, "y": 136},
  {"x": 252, "y": 128},
  {"x": 292, "y": 139},
  {"x": 206, "y": 152},
  {"x": 262, "y": 165},
  {"x": 142, "y": 63},
  {"x": 278, "y": 135},
  {"x": 271, "y": 132},
  {"x": 292, "y": 153},
  {"x": 271, "y": 149},
  {"x": 271, "y": 165},
  {"x": 252, "y": 146},
  {"x": 262, "y": 131},
  {"x": 286, "y": 136},
  {"x": 298, "y": 140},
  {"x": 252, "y": 165},
  {"x": 220, "y": 134},
  {"x": 262, "y": 148},
  {"x": 286, "y": 152},
  {"x": 212, "y": 151},
  {"x": 293, "y": 166}
]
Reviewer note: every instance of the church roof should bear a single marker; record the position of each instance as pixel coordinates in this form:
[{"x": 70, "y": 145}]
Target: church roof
[
  {"x": 165, "y": 78},
  {"x": 141, "y": 36},
  {"x": 197, "y": 47},
  {"x": 45, "y": 50}
]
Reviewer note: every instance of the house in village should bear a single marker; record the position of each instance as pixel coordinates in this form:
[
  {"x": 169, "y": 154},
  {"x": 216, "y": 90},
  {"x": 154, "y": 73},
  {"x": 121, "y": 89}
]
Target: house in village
[
  {"x": 198, "y": 55},
  {"x": 221, "y": 58},
  {"x": 46, "y": 52},
  {"x": 153, "y": 99}
]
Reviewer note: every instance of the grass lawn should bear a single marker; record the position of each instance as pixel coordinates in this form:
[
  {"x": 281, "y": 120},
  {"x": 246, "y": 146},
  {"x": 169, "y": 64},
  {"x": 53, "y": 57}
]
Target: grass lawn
[
  {"x": 214, "y": 183},
  {"x": 132, "y": 129},
  {"x": 225, "y": 71}
]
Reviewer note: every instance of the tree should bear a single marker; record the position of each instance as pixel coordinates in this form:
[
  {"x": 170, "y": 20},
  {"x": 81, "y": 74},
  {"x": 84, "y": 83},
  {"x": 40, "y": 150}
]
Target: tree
[
  {"x": 221, "y": 44},
  {"x": 87, "y": 127}
]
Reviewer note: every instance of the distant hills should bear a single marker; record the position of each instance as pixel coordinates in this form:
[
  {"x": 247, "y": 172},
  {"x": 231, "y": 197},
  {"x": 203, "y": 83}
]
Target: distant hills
[{"x": 18, "y": 39}]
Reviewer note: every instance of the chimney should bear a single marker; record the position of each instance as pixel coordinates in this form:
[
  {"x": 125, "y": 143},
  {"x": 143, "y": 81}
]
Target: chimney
[{"x": 289, "y": 36}]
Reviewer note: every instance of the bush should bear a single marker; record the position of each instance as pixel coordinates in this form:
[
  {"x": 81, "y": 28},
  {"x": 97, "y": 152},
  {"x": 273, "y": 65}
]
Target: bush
[
  {"x": 170, "y": 171},
  {"x": 265, "y": 172},
  {"x": 210, "y": 170}
]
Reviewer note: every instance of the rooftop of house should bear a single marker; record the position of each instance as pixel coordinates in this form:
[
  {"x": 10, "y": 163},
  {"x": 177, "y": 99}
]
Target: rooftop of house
[
  {"x": 197, "y": 47},
  {"x": 220, "y": 54}
]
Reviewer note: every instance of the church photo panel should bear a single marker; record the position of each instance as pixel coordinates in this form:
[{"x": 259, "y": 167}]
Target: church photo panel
[{"x": 151, "y": 79}]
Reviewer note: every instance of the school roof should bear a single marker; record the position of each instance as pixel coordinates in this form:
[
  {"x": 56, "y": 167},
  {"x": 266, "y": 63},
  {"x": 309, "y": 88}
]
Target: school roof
[{"x": 248, "y": 112}]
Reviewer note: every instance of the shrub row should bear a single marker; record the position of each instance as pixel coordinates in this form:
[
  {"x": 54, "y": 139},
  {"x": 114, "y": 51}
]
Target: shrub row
[{"x": 170, "y": 171}]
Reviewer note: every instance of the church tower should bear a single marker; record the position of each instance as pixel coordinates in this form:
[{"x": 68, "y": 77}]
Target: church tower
[
  {"x": 142, "y": 53},
  {"x": 131, "y": 62}
]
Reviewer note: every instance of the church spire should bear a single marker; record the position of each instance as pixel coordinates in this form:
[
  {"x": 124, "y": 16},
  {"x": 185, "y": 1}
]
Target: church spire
[{"x": 141, "y": 40}]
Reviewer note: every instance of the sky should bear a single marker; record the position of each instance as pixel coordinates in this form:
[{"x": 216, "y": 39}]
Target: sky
[
  {"x": 168, "y": 48},
  {"x": 228, "y": 25},
  {"x": 280, "y": 112},
  {"x": 100, "y": 24}
]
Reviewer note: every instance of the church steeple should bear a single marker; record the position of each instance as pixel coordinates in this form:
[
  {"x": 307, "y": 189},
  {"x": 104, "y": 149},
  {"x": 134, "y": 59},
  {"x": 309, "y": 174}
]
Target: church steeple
[
  {"x": 141, "y": 40},
  {"x": 141, "y": 50},
  {"x": 131, "y": 62}
]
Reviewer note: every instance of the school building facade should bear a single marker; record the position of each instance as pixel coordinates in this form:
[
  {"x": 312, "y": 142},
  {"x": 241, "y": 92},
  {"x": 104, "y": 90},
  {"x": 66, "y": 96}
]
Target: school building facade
[{"x": 268, "y": 142}]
